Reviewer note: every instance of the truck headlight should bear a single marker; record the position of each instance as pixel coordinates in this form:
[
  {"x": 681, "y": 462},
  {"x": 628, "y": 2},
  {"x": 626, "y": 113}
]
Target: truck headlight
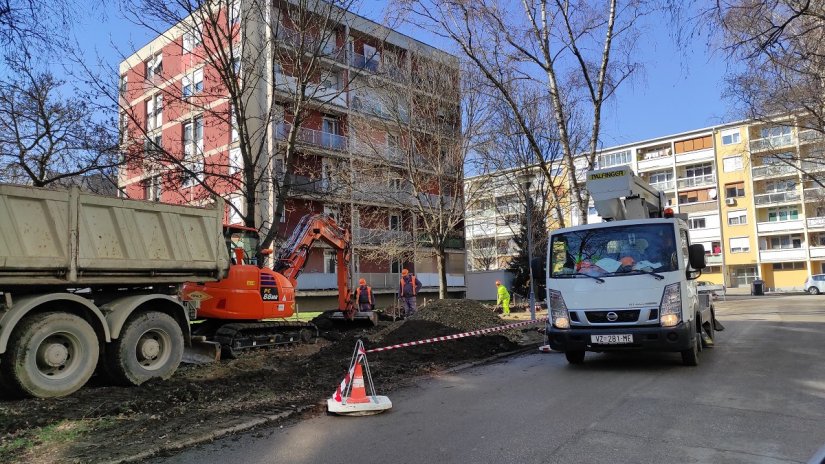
[
  {"x": 670, "y": 310},
  {"x": 558, "y": 310}
]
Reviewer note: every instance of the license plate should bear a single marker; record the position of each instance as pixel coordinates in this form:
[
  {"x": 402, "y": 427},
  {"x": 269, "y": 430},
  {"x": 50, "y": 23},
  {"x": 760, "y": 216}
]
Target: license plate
[{"x": 611, "y": 339}]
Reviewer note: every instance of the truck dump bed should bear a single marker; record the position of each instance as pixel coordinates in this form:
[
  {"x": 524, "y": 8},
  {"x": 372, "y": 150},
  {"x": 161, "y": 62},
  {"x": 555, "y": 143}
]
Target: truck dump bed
[{"x": 66, "y": 237}]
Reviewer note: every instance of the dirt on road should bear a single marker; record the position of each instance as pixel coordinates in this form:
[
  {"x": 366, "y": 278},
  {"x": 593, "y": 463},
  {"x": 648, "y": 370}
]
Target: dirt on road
[{"x": 103, "y": 423}]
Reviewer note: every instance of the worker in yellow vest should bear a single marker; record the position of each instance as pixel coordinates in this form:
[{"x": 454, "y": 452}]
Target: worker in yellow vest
[{"x": 503, "y": 299}]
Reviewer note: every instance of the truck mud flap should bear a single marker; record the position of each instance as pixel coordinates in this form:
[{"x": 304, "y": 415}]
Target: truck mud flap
[{"x": 202, "y": 351}]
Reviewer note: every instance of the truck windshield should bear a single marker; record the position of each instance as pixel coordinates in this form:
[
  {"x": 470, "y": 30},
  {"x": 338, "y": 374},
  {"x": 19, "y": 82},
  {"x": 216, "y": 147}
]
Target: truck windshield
[{"x": 613, "y": 251}]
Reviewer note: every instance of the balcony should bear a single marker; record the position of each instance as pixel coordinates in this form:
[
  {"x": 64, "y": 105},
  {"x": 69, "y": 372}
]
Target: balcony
[
  {"x": 663, "y": 186},
  {"x": 366, "y": 236},
  {"x": 810, "y": 136},
  {"x": 779, "y": 255},
  {"x": 816, "y": 222},
  {"x": 705, "y": 154},
  {"x": 313, "y": 137},
  {"x": 373, "y": 64},
  {"x": 708, "y": 180},
  {"x": 650, "y": 164},
  {"x": 773, "y": 170},
  {"x": 810, "y": 167},
  {"x": 817, "y": 252},
  {"x": 791, "y": 196},
  {"x": 382, "y": 151},
  {"x": 329, "y": 95},
  {"x": 714, "y": 260},
  {"x": 706, "y": 234},
  {"x": 456, "y": 242},
  {"x": 779, "y": 226},
  {"x": 814, "y": 194},
  {"x": 771, "y": 143},
  {"x": 303, "y": 184}
]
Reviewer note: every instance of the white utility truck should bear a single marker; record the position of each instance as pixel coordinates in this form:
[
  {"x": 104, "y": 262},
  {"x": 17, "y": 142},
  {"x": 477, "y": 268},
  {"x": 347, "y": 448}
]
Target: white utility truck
[{"x": 628, "y": 283}]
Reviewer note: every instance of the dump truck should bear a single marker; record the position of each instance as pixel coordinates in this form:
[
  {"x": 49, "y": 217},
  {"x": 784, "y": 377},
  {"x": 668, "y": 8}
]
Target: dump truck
[
  {"x": 628, "y": 283},
  {"x": 94, "y": 283}
]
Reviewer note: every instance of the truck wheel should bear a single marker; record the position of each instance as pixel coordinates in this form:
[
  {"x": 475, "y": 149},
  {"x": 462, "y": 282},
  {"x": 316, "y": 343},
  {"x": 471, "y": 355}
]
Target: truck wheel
[
  {"x": 574, "y": 357},
  {"x": 150, "y": 346},
  {"x": 50, "y": 355},
  {"x": 813, "y": 290},
  {"x": 691, "y": 357}
]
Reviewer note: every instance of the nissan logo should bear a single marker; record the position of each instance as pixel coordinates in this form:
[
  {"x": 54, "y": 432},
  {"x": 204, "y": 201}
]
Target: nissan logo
[{"x": 612, "y": 317}]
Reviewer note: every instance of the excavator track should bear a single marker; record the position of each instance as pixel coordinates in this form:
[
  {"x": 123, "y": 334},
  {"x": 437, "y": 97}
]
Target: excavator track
[{"x": 242, "y": 336}]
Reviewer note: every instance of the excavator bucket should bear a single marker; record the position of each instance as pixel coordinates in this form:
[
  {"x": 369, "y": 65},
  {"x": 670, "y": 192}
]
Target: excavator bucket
[{"x": 202, "y": 351}]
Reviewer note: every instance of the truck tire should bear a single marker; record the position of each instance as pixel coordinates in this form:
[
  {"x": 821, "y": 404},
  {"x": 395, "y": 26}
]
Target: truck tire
[
  {"x": 50, "y": 355},
  {"x": 690, "y": 357},
  {"x": 150, "y": 346},
  {"x": 574, "y": 357}
]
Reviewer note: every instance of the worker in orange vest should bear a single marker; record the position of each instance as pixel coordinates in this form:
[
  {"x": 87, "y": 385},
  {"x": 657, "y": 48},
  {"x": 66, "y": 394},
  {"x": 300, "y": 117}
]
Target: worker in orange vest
[
  {"x": 407, "y": 292},
  {"x": 364, "y": 296}
]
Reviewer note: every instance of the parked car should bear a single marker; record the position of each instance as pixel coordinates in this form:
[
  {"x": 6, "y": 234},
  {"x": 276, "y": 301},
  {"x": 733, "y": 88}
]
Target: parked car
[
  {"x": 815, "y": 284},
  {"x": 715, "y": 290}
]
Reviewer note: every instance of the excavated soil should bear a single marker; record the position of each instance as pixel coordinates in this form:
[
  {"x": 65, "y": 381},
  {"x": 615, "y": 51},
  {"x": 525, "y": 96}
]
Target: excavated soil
[{"x": 102, "y": 423}]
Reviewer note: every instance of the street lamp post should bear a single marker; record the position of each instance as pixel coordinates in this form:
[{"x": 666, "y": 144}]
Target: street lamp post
[{"x": 527, "y": 180}]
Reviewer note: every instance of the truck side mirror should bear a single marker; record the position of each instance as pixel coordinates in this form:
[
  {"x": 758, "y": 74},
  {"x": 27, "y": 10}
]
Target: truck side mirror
[{"x": 696, "y": 256}]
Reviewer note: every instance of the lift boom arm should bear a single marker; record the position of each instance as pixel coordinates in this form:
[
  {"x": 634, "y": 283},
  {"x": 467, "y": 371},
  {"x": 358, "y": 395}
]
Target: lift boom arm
[{"x": 292, "y": 256}]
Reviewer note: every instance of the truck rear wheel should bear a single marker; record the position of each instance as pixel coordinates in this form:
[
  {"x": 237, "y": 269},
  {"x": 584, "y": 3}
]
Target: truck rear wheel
[
  {"x": 150, "y": 346},
  {"x": 574, "y": 357},
  {"x": 50, "y": 355}
]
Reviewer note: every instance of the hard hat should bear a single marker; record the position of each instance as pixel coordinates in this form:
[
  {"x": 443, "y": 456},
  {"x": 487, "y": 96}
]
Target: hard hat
[
  {"x": 362, "y": 282},
  {"x": 498, "y": 282},
  {"x": 404, "y": 272}
]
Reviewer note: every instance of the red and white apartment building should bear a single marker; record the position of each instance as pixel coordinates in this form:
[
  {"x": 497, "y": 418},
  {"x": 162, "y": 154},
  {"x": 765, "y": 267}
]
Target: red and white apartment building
[{"x": 168, "y": 66}]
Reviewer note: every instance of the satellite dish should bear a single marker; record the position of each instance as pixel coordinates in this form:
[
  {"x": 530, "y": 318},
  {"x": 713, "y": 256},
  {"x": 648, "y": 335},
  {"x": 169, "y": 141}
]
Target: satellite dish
[{"x": 712, "y": 194}]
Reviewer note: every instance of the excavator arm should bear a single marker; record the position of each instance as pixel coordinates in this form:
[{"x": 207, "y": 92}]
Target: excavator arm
[{"x": 293, "y": 254}]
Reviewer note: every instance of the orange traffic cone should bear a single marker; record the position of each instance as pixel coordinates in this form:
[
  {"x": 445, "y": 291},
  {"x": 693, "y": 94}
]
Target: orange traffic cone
[{"x": 359, "y": 392}]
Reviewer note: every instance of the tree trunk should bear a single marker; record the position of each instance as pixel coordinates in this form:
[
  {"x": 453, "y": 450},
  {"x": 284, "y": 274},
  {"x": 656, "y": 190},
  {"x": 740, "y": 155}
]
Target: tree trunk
[{"x": 441, "y": 260}]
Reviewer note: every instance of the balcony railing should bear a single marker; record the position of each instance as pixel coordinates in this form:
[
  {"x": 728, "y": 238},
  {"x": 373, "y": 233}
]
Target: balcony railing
[
  {"x": 655, "y": 154},
  {"x": 713, "y": 260},
  {"x": 783, "y": 254},
  {"x": 809, "y": 167},
  {"x": 777, "y": 197},
  {"x": 313, "y": 137},
  {"x": 700, "y": 181},
  {"x": 816, "y": 222},
  {"x": 769, "y": 143},
  {"x": 663, "y": 186},
  {"x": 810, "y": 135},
  {"x": 382, "y": 236},
  {"x": 779, "y": 226},
  {"x": 772, "y": 170},
  {"x": 815, "y": 194}
]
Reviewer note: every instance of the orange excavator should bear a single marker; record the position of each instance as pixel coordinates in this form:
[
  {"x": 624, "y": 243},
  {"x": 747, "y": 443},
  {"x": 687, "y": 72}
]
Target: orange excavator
[{"x": 248, "y": 309}]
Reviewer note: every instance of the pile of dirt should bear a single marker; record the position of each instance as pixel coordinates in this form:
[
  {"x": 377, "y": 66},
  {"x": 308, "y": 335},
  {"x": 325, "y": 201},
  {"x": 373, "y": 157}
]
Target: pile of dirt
[{"x": 463, "y": 315}]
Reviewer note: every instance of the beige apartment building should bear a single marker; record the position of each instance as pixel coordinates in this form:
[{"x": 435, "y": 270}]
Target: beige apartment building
[{"x": 750, "y": 190}]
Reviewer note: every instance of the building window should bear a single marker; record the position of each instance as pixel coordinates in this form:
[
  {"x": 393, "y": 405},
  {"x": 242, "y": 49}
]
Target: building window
[
  {"x": 191, "y": 39},
  {"x": 739, "y": 245},
  {"x": 744, "y": 275},
  {"x": 786, "y": 213},
  {"x": 776, "y": 131},
  {"x": 395, "y": 184},
  {"x": 788, "y": 266},
  {"x": 192, "y": 84},
  {"x": 235, "y": 161},
  {"x": 737, "y": 218},
  {"x": 699, "y": 170},
  {"x": 330, "y": 262},
  {"x": 395, "y": 222},
  {"x": 784, "y": 242},
  {"x": 732, "y": 163},
  {"x": 124, "y": 80},
  {"x": 614, "y": 159},
  {"x": 154, "y": 110},
  {"x": 330, "y": 79},
  {"x": 154, "y": 67},
  {"x": 777, "y": 186},
  {"x": 235, "y": 12},
  {"x": 661, "y": 178},
  {"x": 233, "y": 124},
  {"x": 729, "y": 137},
  {"x": 152, "y": 188},
  {"x": 192, "y": 166},
  {"x": 735, "y": 190},
  {"x": 153, "y": 145},
  {"x": 697, "y": 223}
]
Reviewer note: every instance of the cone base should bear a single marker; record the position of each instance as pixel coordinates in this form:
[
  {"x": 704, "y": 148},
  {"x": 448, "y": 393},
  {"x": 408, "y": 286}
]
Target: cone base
[
  {"x": 377, "y": 405},
  {"x": 545, "y": 349}
]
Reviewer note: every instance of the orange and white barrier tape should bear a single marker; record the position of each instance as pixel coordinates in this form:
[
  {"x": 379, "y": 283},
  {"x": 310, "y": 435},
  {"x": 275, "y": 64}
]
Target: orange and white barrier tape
[{"x": 456, "y": 336}]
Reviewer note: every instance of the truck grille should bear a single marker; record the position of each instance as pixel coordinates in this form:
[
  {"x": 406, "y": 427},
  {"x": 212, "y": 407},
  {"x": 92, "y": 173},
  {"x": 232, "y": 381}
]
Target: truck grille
[{"x": 601, "y": 316}]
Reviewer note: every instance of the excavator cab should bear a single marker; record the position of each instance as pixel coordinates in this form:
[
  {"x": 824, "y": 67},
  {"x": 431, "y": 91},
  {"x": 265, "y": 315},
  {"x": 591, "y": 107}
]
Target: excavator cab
[{"x": 245, "y": 239}]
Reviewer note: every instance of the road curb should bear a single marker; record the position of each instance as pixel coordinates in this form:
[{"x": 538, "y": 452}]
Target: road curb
[{"x": 256, "y": 421}]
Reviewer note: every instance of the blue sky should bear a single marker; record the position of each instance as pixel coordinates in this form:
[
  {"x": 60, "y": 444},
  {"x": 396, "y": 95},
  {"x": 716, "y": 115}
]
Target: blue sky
[{"x": 677, "y": 91}]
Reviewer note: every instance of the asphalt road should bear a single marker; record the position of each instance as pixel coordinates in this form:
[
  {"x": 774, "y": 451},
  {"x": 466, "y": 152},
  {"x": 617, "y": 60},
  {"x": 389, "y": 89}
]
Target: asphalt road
[{"x": 757, "y": 397}]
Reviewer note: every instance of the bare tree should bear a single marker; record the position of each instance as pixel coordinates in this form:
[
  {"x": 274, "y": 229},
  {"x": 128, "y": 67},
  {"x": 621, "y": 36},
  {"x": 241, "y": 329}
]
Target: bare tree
[
  {"x": 28, "y": 24},
  {"x": 257, "y": 71},
  {"x": 576, "y": 54},
  {"x": 417, "y": 137},
  {"x": 47, "y": 138}
]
